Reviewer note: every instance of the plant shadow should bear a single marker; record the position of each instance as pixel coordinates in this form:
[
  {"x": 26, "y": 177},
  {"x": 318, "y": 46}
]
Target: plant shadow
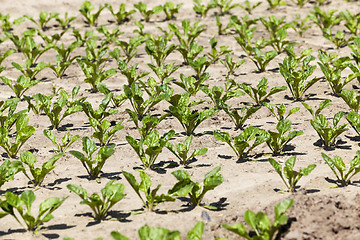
[{"x": 11, "y": 231}]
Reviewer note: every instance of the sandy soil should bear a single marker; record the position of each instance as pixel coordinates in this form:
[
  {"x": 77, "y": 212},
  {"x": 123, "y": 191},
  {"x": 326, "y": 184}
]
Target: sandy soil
[{"x": 319, "y": 212}]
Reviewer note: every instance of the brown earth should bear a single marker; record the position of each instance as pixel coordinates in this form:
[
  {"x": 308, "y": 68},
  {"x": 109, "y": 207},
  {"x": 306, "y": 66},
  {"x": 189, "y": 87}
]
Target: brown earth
[{"x": 320, "y": 211}]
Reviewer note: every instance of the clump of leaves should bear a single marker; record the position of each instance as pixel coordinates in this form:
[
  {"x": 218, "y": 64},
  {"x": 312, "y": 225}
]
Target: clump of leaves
[
  {"x": 185, "y": 186},
  {"x": 154, "y": 233},
  {"x": 248, "y": 7},
  {"x": 260, "y": 222},
  {"x": 22, "y": 134},
  {"x": 325, "y": 19},
  {"x": 100, "y": 204},
  {"x": 191, "y": 84},
  {"x": 66, "y": 140},
  {"x": 158, "y": 49},
  {"x": 278, "y": 140},
  {"x": 300, "y": 25},
  {"x": 170, "y": 9},
  {"x": 92, "y": 65},
  {"x": 275, "y": 3},
  {"x": 351, "y": 98},
  {"x": 39, "y": 173},
  {"x": 90, "y": 18},
  {"x": 147, "y": 13},
  {"x": 181, "y": 151},
  {"x": 29, "y": 70},
  {"x": 147, "y": 123},
  {"x": 63, "y": 58},
  {"x": 287, "y": 173},
  {"x": 203, "y": 9},
  {"x": 354, "y": 119},
  {"x": 44, "y": 18},
  {"x": 65, "y": 22},
  {"x": 151, "y": 199},
  {"x": 338, "y": 167},
  {"x": 352, "y": 21},
  {"x": 327, "y": 133},
  {"x": 6, "y": 24},
  {"x": 332, "y": 69},
  {"x": 16, "y": 203},
  {"x": 93, "y": 165},
  {"x": 88, "y": 35},
  {"x": 149, "y": 148},
  {"x": 279, "y": 111},
  {"x": 8, "y": 169},
  {"x": 129, "y": 48},
  {"x": 259, "y": 93},
  {"x": 21, "y": 85},
  {"x": 245, "y": 142},
  {"x": 296, "y": 78},
  {"x": 122, "y": 15},
  {"x": 230, "y": 65},
  {"x": 189, "y": 119}
]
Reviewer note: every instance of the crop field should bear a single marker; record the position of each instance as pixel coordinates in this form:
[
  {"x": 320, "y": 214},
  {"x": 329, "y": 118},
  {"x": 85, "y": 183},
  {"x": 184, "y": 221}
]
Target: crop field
[{"x": 212, "y": 119}]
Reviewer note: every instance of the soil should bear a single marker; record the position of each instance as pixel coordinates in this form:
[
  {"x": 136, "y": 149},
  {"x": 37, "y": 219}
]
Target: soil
[{"x": 320, "y": 210}]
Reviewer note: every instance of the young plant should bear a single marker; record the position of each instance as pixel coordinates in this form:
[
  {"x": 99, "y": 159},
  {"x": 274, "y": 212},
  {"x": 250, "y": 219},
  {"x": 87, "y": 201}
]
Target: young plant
[
  {"x": 8, "y": 169},
  {"x": 200, "y": 65},
  {"x": 29, "y": 70},
  {"x": 278, "y": 140},
  {"x": 225, "y": 6},
  {"x": 23, "y": 133},
  {"x": 300, "y": 25},
  {"x": 189, "y": 120},
  {"x": 248, "y": 7},
  {"x": 92, "y": 65},
  {"x": 9, "y": 106},
  {"x": 246, "y": 141},
  {"x": 277, "y": 28},
  {"x": 101, "y": 112},
  {"x": 351, "y": 98},
  {"x": 148, "y": 123},
  {"x": 129, "y": 48},
  {"x": 352, "y": 21},
  {"x": 337, "y": 165},
  {"x": 6, "y": 24},
  {"x": 27, "y": 46},
  {"x": 21, "y": 85},
  {"x": 196, "y": 191},
  {"x": 190, "y": 33},
  {"x": 332, "y": 69},
  {"x": 261, "y": 224},
  {"x": 222, "y": 29},
  {"x": 147, "y": 13},
  {"x": 109, "y": 37},
  {"x": 103, "y": 133},
  {"x": 191, "y": 52},
  {"x": 230, "y": 65},
  {"x": 338, "y": 38},
  {"x": 326, "y": 133},
  {"x": 261, "y": 60},
  {"x": 325, "y": 19},
  {"x": 116, "y": 100},
  {"x": 53, "y": 38},
  {"x": 58, "y": 110},
  {"x": 38, "y": 173},
  {"x": 141, "y": 105},
  {"x": 275, "y": 3},
  {"x": 44, "y": 18},
  {"x": 155, "y": 233},
  {"x": 296, "y": 78},
  {"x": 151, "y": 199},
  {"x": 239, "y": 117},
  {"x": 66, "y": 140},
  {"x": 154, "y": 146},
  {"x": 164, "y": 72},
  {"x": 88, "y": 35},
  {"x": 122, "y": 15},
  {"x": 192, "y": 85},
  {"x": 130, "y": 72},
  {"x": 63, "y": 59},
  {"x": 93, "y": 165},
  {"x": 259, "y": 93},
  {"x": 279, "y": 111},
  {"x": 287, "y": 172},
  {"x": 65, "y": 22},
  {"x": 322, "y": 105},
  {"x": 354, "y": 119},
  {"x": 14, "y": 203},
  {"x": 181, "y": 151},
  {"x": 203, "y": 9},
  {"x": 158, "y": 50},
  {"x": 100, "y": 205},
  {"x": 91, "y": 18},
  {"x": 170, "y": 9},
  {"x": 215, "y": 54}
]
